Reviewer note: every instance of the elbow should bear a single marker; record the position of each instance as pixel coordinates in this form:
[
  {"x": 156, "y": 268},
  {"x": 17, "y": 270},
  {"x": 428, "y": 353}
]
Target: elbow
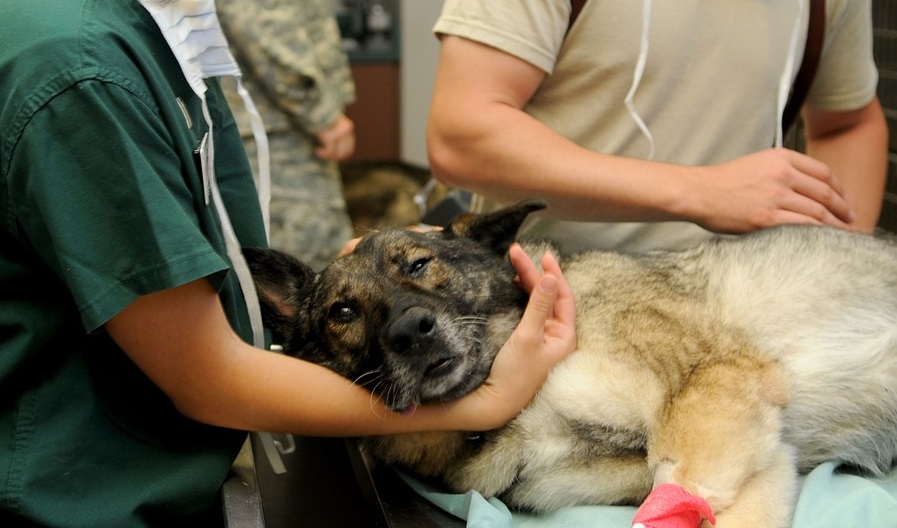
[
  {"x": 199, "y": 406},
  {"x": 449, "y": 160},
  {"x": 196, "y": 410},
  {"x": 442, "y": 163}
]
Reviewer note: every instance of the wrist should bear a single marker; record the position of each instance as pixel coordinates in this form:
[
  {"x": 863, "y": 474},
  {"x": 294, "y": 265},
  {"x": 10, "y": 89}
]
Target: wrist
[
  {"x": 473, "y": 412},
  {"x": 684, "y": 197}
]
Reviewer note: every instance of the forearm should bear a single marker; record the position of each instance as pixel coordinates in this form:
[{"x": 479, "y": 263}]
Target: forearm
[
  {"x": 479, "y": 138},
  {"x": 277, "y": 393},
  {"x": 506, "y": 155},
  {"x": 214, "y": 377},
  {"x": 857, "y": 153}
]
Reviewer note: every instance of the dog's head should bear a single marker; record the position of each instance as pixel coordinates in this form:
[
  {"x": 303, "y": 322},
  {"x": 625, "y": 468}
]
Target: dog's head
[{"x": 414, "y": 317}]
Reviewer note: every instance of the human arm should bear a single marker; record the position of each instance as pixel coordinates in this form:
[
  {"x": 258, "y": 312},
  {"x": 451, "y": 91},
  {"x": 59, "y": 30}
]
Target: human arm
[
  {"x": 181, "y": 339},
  {"x": 854, "y": 145},
  {"x": 479, "y": 138},
  {"x": 292, "y": 51}
]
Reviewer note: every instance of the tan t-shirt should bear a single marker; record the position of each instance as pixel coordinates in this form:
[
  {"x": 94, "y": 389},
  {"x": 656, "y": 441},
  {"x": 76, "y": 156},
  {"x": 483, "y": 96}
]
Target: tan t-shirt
[{"x": 708, "y": 93}]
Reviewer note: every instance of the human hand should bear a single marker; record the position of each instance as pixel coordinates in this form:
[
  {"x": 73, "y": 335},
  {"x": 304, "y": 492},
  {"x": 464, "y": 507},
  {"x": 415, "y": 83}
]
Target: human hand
[
  {"x": 545, "y": 335},
  {"x": 767, "y": 188},
  {"x": 337, "y": 142},
  {"x": 349, "y": 246}
]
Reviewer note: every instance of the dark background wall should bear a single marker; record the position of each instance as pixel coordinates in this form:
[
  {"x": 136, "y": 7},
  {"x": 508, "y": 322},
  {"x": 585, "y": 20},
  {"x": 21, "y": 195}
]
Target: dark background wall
[{"x": 884, "y": 16}]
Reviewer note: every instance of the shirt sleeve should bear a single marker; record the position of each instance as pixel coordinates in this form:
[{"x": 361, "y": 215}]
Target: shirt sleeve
[
  {"x": 113, "y": 208},
  {"x": 847, "y": 77},
  {"x": 531, "y": 31}
]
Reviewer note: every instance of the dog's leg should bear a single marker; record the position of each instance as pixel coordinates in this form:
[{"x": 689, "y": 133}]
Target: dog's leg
[
  {"x": 579, "y": 481},
  {"x": 767, "y": 498},
  {"x": 720, "y": 439}
]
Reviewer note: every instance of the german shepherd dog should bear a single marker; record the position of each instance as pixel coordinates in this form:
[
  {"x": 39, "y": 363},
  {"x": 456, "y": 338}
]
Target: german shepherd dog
[{"x": 726, "y": 369}]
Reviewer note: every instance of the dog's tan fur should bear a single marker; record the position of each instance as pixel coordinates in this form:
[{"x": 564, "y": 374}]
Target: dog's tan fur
[{"x": 726, "y": 369}]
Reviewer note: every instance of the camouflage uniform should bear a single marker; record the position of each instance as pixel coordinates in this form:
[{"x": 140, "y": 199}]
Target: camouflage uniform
[{"x": 299, "y": 77}]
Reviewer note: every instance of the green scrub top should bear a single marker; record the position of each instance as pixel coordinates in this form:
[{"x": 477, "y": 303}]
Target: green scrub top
[{"x": 101, "y": 201}]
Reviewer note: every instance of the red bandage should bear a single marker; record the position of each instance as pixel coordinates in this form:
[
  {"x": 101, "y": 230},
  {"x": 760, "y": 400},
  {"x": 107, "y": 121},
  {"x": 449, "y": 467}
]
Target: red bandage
[{"x": 670, "y": 506}]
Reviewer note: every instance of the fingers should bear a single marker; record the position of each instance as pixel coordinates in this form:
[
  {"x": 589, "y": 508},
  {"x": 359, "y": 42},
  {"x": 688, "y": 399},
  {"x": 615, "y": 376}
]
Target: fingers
[
  {"x": 565, "y": 303},
  {"x": 553, "y": 280},
  {"x": 528, "y": 274},
  {"x": 799, "y": 208},
  {"x": 815, "y": 168},
  {"x": 420, "y": 228},
  {"x": 771, "y": 187},
  {"x": 549, "y": 320},
  {"x": 348, "y": 247},
  {"x": 820, "y": 194},
  {"x": 336, "y": 149},
  {"x": 337, "y": 141},
  {"x": 541, "y": 303}
]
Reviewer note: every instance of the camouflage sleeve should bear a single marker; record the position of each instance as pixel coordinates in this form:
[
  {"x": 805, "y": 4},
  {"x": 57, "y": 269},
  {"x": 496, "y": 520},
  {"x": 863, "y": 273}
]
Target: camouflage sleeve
[{"x": 292, "y": 51}]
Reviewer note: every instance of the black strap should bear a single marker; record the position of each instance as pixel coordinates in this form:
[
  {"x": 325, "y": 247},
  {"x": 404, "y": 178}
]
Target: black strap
[
  {"x": 812, "y": 52},
  {"x": 575, "y": 8}
]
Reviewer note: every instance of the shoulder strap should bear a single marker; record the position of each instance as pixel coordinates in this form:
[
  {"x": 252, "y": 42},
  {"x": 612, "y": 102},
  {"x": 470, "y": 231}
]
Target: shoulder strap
[
  {"x": 575, "y": 8},
  {"x": 812, "y": 51}
]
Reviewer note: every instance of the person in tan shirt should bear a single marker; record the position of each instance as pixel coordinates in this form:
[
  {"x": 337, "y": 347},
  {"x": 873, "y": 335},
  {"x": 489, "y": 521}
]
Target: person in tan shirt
[{"x": 653, "y": 125}]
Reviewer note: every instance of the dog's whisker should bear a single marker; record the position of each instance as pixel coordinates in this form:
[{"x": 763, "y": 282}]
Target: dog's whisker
[
  {"x": 373, "y": 398},
  {"x": 376, "y": 394},
  {"x": 375, "y": 372},
  {"x": 389, "y": 396},
  {"x": 472, "y": 319}
]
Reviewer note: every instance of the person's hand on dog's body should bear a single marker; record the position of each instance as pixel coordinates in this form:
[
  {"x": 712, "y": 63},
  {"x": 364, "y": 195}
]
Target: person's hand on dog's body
[
  {"x": 508, "y": 129},
  {"x": 214, "y": 377},
  {"x": 349, "y": 246},
  {"x": 546, "y": 334}
]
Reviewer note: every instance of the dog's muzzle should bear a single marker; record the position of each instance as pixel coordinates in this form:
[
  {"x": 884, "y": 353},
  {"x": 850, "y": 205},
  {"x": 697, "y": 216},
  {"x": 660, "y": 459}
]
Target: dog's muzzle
[{"x": 411, "y": 330}]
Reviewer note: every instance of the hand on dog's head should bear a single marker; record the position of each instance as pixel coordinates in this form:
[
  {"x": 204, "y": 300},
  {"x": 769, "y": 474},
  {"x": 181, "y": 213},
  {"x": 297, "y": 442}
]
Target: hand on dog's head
[{"x": 355, "y": 316}]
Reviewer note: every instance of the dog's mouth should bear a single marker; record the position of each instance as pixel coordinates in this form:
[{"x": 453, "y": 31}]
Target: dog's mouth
[
  {"x": 412, "y": 384},
  {"x": 442, "y": 366},
  {"x": 445, "y": 377}
]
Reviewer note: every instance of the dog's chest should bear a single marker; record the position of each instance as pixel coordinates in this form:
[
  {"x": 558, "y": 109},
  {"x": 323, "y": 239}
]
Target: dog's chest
[{"x": 590, "y": 407}]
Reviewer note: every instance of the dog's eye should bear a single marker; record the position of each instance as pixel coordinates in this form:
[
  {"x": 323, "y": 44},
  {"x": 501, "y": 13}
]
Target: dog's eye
[
  {"x": 342, "y": 312},
  {"x": 417, "y": 267}
]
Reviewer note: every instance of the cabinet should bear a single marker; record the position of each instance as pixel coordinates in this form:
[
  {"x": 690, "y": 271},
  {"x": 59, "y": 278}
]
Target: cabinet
[
  {"x": 376, "y": 110},
  {"x": 371, "y": 38}
]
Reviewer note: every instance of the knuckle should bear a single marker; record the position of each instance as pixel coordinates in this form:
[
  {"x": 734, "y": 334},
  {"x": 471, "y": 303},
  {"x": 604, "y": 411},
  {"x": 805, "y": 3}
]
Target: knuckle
[{"x": 820, "y": 213}]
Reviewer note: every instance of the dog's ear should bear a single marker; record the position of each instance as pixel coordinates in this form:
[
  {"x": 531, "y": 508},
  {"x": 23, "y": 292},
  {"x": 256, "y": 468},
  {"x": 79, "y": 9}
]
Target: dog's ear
[
  {"x": 497, "y": 229},
  {"x": 282, "y": 282}
]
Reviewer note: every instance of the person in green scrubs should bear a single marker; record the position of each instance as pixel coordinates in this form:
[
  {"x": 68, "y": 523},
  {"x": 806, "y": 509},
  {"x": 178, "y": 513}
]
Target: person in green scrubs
[{"x": 126, "y": 381}]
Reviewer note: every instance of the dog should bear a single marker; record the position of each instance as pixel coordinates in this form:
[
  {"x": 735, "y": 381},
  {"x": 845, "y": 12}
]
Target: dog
[
  {"x": 384, "y": 193},
  {"x": 726, "y": 369}
]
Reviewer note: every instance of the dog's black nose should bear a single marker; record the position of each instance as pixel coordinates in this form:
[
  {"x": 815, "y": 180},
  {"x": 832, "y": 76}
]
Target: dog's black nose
[{"x": 411, "y": 328}]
